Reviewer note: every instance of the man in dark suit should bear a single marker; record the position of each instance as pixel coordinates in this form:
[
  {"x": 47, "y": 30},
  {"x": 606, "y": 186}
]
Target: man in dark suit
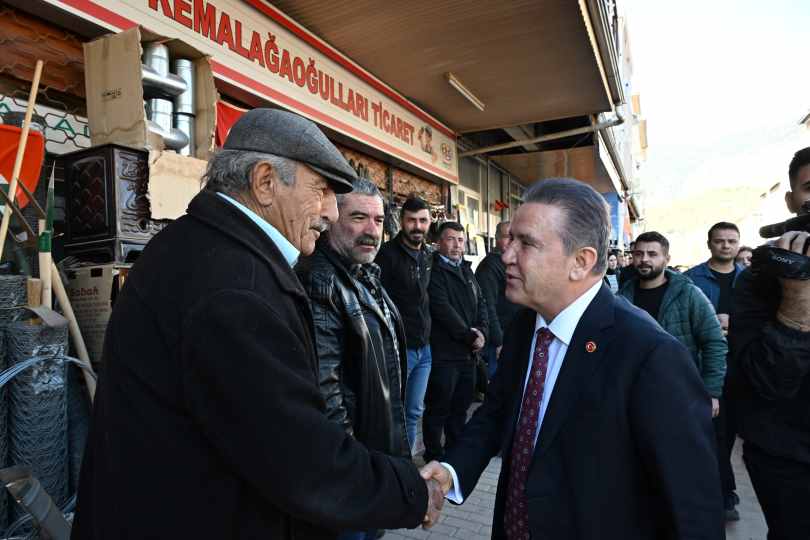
[
  {"x": 602, "y": 420},
  {"x": 209, "y": 421}
]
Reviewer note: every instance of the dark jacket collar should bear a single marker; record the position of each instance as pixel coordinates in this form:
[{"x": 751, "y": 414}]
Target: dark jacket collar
[
  {"x": 677, "y": 284},
  {"x": 704, "y": 270},
  {"x": 438, "y": 260},
  {"x": 228, "y": 220},
  {"x": 401, "y": 243}
]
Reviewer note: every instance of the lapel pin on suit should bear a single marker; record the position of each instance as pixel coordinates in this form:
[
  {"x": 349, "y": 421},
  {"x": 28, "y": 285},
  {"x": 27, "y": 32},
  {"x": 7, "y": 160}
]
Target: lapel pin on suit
[{"x": 590, "y": 346}]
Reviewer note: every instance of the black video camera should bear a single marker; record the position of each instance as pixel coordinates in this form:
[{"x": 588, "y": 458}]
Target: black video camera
[{"x": 781, "y": 263}]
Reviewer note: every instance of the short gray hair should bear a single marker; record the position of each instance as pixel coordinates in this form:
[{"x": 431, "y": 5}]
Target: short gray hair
[
  {"x": 229, "y": 171},
  {"x": 361, "y": 186},
  {"x": 499, "y": 228},
  {"x": 587, "y": 215}
]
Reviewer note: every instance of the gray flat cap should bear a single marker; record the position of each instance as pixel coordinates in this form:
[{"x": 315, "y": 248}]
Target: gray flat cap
[{"x": 288, "y": 135}]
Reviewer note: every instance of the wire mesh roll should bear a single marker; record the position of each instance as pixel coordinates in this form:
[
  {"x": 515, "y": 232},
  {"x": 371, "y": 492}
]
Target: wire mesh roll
[
  {"x": 37, "y": 417},
  {"x": 4, "y": 496},
  {"x": 13, "y": 298}
]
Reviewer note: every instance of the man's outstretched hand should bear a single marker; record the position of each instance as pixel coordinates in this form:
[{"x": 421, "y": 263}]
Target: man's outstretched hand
[
  {"x": 439, "y": 482},
  {"x": 436, "y": 471},
  {"x": 435, "y": 503}
]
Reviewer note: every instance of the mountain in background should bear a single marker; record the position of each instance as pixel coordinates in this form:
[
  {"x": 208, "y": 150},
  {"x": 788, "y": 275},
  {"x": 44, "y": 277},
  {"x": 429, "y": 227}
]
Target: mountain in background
[{"x": 689, "y": 187}]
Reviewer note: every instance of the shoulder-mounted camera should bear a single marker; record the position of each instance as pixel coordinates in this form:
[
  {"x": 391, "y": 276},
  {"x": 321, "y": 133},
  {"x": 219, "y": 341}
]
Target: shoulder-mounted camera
[{"x": 781, "y": 263}]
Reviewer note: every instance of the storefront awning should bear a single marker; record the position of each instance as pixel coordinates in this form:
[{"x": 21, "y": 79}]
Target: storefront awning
[
  {"x": 527, "y": 61},
  {"x": 583, "y": 163}
]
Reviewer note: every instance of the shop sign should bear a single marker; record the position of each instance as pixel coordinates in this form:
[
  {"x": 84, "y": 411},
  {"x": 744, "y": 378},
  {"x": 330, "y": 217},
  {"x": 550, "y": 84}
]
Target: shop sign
[
  {"x": 257, "y": 48},
  {"x": 63, "y": 132}
]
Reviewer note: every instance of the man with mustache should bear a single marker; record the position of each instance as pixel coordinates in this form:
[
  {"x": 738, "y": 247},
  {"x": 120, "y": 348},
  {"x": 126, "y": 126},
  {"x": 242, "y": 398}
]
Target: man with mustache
[
  {"x": 681, "y": 309},
  {"x": 358, "y": 330},
  {"x": 209, "y": 404},
  {"x": 405, "y": 262}
]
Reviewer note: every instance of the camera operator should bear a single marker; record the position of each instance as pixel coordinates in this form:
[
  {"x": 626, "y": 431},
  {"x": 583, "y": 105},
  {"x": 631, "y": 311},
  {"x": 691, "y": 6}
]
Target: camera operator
[{"x": 770, "y": 360}]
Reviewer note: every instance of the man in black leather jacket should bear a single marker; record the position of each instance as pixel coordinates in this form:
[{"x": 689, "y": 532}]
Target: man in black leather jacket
[
  {"x": 769, "y": 378},
  {"x": 359, "y": 334}
]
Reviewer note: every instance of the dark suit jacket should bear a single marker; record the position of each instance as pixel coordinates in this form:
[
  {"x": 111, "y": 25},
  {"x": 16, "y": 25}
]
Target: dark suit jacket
[
  {"x": 626, "y": 450},
  {"x": 208, "y": 421},
  {"x": 457, "y": 305}
]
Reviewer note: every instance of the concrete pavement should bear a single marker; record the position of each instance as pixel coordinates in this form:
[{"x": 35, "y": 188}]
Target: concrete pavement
[{"x": 473, "y": 519}]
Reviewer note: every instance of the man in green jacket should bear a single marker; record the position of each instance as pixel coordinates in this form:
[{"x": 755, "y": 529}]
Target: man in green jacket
[{"x": 681, "y": 309}]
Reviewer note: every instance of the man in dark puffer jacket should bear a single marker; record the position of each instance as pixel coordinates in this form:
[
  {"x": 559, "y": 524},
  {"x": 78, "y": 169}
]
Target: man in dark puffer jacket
[{"x": 683, "y": 310}]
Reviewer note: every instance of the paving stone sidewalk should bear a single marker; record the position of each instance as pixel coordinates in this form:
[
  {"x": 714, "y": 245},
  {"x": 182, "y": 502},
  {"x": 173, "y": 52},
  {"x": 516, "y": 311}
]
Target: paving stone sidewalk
[{"x": 473, "y": 519}]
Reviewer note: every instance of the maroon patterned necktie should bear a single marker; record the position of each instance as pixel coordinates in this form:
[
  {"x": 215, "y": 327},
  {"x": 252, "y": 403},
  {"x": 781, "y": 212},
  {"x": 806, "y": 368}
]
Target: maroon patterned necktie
[{"x": 516, "y": 515}]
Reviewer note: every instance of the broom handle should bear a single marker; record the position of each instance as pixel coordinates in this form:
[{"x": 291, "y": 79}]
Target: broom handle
[
  {"x": 18, "y": 161},
  {"x": 73, "y": 326},
  {"x": 45, "y": 258}
]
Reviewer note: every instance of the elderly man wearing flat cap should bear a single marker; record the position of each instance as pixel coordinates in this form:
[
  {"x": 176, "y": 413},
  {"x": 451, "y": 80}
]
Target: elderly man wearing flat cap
[{"x": 208, "y": 420}]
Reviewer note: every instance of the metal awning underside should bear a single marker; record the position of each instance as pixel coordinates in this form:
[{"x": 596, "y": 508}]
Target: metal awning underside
[{"x": 528, "y": 60}]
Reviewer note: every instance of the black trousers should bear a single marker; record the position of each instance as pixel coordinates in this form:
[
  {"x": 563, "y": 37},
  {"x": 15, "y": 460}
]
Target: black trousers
[
  {"x": 449, "y": 395},
  {"x": 783, "y": 489},
  {"x": 725, "y": 432}
]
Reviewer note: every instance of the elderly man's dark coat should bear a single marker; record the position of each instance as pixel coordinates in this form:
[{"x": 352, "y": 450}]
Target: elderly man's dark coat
[{"x": 208, "y": 420}]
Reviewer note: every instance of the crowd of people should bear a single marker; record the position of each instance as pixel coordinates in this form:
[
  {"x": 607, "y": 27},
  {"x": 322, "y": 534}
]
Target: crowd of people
[{"x": 271, "y": 359}]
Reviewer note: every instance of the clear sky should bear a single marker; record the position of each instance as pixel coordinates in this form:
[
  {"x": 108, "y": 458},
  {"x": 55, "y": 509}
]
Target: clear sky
[{"x": 719, "y": 80}]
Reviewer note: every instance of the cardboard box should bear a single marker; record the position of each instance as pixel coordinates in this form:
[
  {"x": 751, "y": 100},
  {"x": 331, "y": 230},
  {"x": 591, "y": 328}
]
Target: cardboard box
[
  {"x": 114, "y": 87},
  {"x": 173, "y": 181},
  {"x": 92, "y": 290}
]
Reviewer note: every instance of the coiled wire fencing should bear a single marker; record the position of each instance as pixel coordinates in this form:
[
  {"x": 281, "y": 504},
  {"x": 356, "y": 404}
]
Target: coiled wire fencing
[
  {"x": 55, "y": 460},
  {"x": 44, "y": 408}
]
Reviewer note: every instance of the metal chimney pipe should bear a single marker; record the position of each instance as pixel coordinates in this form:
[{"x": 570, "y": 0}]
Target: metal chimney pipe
[
  {"x": 184, "y": 123},
  {"x": 156, "y": 85},
  {"x": 160, "y": 116},
  {"x": 185, "y": 106},
  {"x": 184, "y": 102},
  {"x": 156, "y": 56}
]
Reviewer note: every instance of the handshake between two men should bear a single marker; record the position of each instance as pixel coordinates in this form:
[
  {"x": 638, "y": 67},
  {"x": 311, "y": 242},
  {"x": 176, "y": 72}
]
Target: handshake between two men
[{"x": 439, "y": 483}]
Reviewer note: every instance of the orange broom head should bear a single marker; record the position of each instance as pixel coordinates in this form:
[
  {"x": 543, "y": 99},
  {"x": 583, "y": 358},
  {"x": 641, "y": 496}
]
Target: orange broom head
[{"x": 32, "y": 159}]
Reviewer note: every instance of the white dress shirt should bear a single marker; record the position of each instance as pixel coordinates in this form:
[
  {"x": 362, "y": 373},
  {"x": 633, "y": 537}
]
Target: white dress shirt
[
  {"x": 563, "y": 327},
  {"x": 288, "y": 251}
]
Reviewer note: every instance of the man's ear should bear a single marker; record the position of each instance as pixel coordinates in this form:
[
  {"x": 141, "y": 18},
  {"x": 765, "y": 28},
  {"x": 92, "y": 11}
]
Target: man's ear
[
  {"x": 668, "y": 258},
  {"x": 584, "y": 261},
  {"x": 789, "y": 201},
  {"x": 263, "y": 183}
]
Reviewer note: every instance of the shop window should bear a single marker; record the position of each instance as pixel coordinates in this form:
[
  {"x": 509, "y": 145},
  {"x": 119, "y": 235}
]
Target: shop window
[
  {"x": 473, "y": 210},
  {"x": 469, "y": 173},
  {"x": 515, "y": 195}
]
